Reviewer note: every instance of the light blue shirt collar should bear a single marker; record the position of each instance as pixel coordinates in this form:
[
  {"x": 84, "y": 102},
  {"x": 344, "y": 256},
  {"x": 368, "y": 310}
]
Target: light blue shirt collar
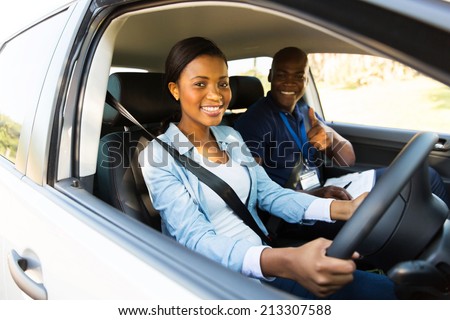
[{"x": 180, "y": 142}]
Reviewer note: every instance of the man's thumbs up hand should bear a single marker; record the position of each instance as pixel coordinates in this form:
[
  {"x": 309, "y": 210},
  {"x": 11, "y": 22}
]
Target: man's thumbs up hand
[
  {"x": 312, "y": 117},
  {"x": 317, "y": 135}
]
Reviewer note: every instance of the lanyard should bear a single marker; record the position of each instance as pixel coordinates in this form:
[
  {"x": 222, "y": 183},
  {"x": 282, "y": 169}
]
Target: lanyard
[{"x": 302, "y": 142}]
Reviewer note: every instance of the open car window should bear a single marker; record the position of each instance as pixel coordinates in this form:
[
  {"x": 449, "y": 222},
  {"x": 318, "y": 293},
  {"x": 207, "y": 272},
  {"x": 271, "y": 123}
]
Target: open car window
[{"x": 363, "y": 89}]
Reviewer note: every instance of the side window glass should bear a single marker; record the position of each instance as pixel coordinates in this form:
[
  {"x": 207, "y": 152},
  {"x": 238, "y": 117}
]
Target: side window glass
[
  {"x": 367, "y": 90},
  {"x": 257, "y": 67},
  {"x": 24, "y": 61},
  {"x": 9, "y": 136}
]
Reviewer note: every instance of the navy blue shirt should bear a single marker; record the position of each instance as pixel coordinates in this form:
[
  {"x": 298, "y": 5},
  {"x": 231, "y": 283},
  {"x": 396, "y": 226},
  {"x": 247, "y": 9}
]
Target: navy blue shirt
[{"x": 267, "y": 136}]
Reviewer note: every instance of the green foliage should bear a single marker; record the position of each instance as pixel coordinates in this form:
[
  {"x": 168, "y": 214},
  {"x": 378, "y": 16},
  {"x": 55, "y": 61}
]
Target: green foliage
[{"x": 9, "y": 137}]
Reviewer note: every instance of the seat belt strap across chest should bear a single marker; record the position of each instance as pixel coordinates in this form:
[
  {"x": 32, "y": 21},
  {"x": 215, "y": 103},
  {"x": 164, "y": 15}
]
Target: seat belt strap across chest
[{"x": 207, "y": 177}]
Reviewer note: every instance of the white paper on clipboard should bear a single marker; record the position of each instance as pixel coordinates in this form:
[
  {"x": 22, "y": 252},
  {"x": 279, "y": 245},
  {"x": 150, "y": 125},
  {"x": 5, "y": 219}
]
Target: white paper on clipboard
[{"x": 355, "y": 183}]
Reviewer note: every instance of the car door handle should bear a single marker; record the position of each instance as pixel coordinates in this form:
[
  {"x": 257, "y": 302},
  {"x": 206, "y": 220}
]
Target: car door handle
[{"x": 17, "y": 267}]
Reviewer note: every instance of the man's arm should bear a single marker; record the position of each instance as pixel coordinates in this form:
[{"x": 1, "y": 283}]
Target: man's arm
[{"x": 323, "y": 192}]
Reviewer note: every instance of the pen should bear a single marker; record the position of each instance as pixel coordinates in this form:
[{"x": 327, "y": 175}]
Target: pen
[{"x": 347, "y": 185}]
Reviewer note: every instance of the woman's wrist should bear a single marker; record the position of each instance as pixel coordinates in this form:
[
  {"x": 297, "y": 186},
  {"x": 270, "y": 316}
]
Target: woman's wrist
[
  {"x": 341, "y": 209},
  {"x": 275, "y": 262}
]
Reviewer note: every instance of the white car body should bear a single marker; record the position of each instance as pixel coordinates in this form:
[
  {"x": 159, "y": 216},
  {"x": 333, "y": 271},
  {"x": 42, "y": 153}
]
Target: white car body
[{"x": 75, "y": 245}]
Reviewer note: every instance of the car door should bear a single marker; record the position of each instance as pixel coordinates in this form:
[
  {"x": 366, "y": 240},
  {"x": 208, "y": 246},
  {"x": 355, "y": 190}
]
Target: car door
[
  {"x": 58, "y": 241},
  {"x": 52, "y": 247},
  {"x": 21, "y": 81}
]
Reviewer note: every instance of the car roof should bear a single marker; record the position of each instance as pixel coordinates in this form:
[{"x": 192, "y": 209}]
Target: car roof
[
  {"x": 142, "y": 43},
  {"x": 244, "y": 29}
]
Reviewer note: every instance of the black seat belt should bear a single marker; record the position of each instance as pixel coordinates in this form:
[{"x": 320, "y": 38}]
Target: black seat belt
[
  {"x": 207, "y": 177},
  {"x": 139, "y": 179}
]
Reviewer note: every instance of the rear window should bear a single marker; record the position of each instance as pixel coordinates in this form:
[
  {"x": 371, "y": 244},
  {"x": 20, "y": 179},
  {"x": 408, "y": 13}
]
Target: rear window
[{"x": 24, "y": 61}]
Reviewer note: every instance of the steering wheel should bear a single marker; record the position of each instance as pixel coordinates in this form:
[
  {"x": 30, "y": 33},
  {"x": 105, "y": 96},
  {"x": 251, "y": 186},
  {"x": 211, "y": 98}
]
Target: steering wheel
[{"x": 383, "y": 194}]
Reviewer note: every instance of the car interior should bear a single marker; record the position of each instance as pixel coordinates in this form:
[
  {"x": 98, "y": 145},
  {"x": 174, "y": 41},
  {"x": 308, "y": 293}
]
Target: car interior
[
  {"x": 119, "y": 180},
  {"x": 143, "y": 95},
  {"x": 132, "y": 38}
]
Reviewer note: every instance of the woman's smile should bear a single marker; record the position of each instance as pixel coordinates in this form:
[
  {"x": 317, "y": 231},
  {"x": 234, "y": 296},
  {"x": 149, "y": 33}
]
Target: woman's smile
[{"x": 212, "y": 111}]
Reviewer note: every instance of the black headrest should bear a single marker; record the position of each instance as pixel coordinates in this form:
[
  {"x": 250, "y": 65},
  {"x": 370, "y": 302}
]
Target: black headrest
[
  {"x": 142, "y": 94},
  {"x": 245, "y": 91}
]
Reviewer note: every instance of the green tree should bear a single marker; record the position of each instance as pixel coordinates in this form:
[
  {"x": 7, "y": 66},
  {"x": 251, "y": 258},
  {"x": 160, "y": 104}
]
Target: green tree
[{"x": 9, "y": 137}]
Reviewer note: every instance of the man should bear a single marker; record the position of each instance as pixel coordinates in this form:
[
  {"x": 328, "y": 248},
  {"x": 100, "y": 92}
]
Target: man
[{"x": 283, "y": 133}]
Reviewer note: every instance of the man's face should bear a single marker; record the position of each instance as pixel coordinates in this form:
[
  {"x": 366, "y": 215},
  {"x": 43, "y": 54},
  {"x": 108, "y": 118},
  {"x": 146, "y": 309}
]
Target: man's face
[{"x": 288, "y": 78}]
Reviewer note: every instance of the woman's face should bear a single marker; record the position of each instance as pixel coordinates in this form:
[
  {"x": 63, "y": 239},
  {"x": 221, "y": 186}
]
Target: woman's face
[{"x": 204, "y": 92}]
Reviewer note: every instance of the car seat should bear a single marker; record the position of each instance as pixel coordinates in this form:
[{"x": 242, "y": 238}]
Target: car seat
[
  {"x": 245, "y": 90},
  {"x": 143, "y": 95}
]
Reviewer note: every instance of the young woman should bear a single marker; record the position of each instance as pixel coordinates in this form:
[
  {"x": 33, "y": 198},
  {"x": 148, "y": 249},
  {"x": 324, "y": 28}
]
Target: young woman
[{"x": 193, "y": 214}]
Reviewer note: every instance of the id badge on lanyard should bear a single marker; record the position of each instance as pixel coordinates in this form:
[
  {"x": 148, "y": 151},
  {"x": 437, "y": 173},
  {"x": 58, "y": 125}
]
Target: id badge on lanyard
[{"x": 308, "y": 175}]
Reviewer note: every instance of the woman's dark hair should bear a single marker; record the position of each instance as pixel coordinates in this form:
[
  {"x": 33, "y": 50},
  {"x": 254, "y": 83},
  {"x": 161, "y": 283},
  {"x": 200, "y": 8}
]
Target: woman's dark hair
[
  {"x": 184, "y": 51},
  {"x": 181, "y": 54}
]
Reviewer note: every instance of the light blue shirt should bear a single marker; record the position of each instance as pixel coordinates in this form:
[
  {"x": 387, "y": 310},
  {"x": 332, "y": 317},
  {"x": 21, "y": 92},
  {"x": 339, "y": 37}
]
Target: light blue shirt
[{"x": 177, "y": 194}]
